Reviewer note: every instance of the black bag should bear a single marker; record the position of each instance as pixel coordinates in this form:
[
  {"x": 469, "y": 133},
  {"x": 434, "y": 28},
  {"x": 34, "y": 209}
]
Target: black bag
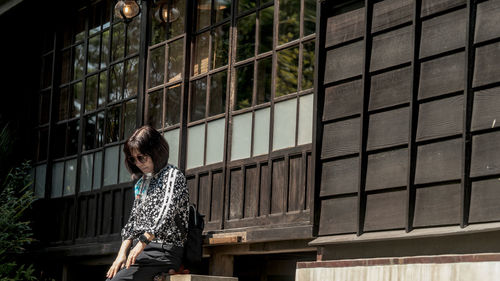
[{"x": 193, "y": 248}]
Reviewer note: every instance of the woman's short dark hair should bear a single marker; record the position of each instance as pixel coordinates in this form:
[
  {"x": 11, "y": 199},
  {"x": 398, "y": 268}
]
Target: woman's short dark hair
[{"x": 149, "y": 141}]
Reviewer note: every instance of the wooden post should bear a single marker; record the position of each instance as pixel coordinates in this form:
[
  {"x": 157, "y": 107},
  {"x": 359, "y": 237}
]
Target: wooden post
[{"x": 221, "y": 265}]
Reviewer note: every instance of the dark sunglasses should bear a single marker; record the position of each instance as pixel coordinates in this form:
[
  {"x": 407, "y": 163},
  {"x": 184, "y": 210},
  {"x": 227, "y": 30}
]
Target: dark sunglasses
[{"x": 140, "y": 158}]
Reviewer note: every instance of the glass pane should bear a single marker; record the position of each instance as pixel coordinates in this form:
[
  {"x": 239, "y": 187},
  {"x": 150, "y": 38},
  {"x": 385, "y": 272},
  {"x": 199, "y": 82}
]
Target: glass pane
[
  {"x": 57, "y": 179},
  {"x": 108, "y": 7},
  {"x": 95, "y": 18},
  {"x": 41, "y": 171},
  {"x": 244, "y": 5},
  {"x": 200, "y": 63},
  {"x": 93, "y": 54},
  {"x": 44, "y": 107},
  {"x": 173, "y": 105},
  {"x": 266, "y": 17},
  {"x": 89, "y": 132},
  {"x": 175, "y": 60},
  {"x": 129, "y": 123},
  {"x": 75, "y": 102},
  {"x": 261, "y": 131},
  {"x": 158, "y": 29},
  {"x": 308, "y": 65},
  {"x": 59, "y": 143},
  {"x": 111, "y": 165},
  {"x": 217, "y": 100},
  {"x": 100, "y": 129},
  {"x": 91, "y": 92},
  {"x": 155, "y": 100},
  {"x": 134, "y": 36},
  {"x": 215, "y": 141},
  {"x": 309, "y": 17},
  {"x": 67, "y": 36},
  {"x": 220, "y": 48},
  {"x": 244, "y": 86},
  {"x": 172, "y": 138},
  {"x": 198, "y": 100},
  {"x": 287, "y": 75},
  {"x": 115, "y": 82},
  {"x": 305, "y": 119},
  {"x": 124, "y": 174},
  {"x": 63, "y": 103},
  {"x": 97, "y": 170},
  {"x": 177, "y": 24},
  {"x": 47, "y": 71},
  {"x": 203, "y": 14},
  {"x": 264, "y": 78},
  {"x": 131, "y": 78},
  {"x": 78, "y": 61},
  {"x": 241, "y": 136},
  {"x": 195, "y": 146},
  {"x": 70, "y": 177},
  {"x": 65, "y": 66},
  {"x": 79, "y": 25},
  {"x": 245, "y": 46},
  {"x": 105, "y": 49},
  {"x": 285, "y": 114},
  {"x": 103, "y": 86},
  {"x": 156, "y": 66},
  {"x": 222, "y": 9},
  {"x": 43, "y": 143},
  {"x": 118, "y": 41},
  {"x": 86, "y": 172},
  {"x": 289, "y": 14},
  {"x": 113, "y": 124},
  {"x": 73, "y": 130}
]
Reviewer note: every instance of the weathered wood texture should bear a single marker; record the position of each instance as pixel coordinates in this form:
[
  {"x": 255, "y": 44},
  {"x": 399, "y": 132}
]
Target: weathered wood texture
[
  {"x": 441, "y": 76},
  {"x": 340, "y": 138},
  {"x": 487, "y": 21},
  {"x": 343, "y": 100},
  {"x": 388, "y": 89},
  {"x": 485, "y": 154},
  {"x": 385, "y": 211},
  {"x": 391, "y": 48},
  {"x": 437, "y": 205},
  {"x": 486, "y": 109},
  {"x": 485, "y": 196},
  {"x": 344, "y": 62},
  {"x": 338, "y": 216},
  {"x": 387, "y": 169},
  {"x": 438, "y": 161},
  {"x": 345, "y": 27},
  {"x": 391, "y": 13},
  {"x": 443, "y": 33},
  {"x": 486, "y": 68},
  {"x": 440, "y": 118},
  {"x": 340, "y": 176},
  {"x": 433, "y": 6},
  {"x": 388, "y": 128}
]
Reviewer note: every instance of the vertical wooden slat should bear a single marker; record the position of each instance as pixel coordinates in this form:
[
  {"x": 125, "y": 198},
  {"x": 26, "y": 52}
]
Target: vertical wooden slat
[
  {"x": 265, "y": 190},
  {"x": 251, "y": 193}
]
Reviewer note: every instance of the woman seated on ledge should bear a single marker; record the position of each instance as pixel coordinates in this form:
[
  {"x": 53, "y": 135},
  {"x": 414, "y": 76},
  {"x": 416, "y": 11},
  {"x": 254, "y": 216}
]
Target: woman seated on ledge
[{"x": 159, "y": 218}]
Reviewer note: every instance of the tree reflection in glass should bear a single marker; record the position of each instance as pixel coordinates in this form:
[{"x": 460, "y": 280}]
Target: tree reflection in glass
[
  {"x": 129, "y": 118},
  {"x": 198, "y": 100},
  {"x": 245, "y": 46},
  {"x": 245, "y": 5},
  {"x": 308, "y": 65},
  {"x": 65, "y": 66},
  {"x": 266, "y": 17},
  {"x": 103, "y": 88},
  {"x": 76, "y": 99},
  {"x": 115, "y": 82},
  {"x": 220, "y": 50},
  {"x": 289, "y": 20},
  {"x": 93, "y": 54},
  {"x": 173, "y": 105},
  {"x": 131, "y": 77},
  {"x": 105, "y": 49},
  {"x": 176, "y": 27},
  {"x": 155, "y": 100},
  {"x": 91, "y": 91},
  {"x": 264, "y": 76},
  {"x": 200, "y": 63},
  {"x": 90, "y": 127},
  {"x": 217, "y": 101},
  {"x": 156, "y": 66},
  {"x": 118, "y": 41},
  {"x": 113, "y": 123},
  {"x": 287, "y": 71},
  {"x": 78, "y": 61},
  {"x": 72, "y": 145},
  {"x": 133, "y": 36},
  {"x": 63, "y": 103},
  {"x": 203, "y": 14},
  {"x": 309, "y": 17},
  {"x": 222, "y": 9},
  {"x": 244, "y": 86},
  {"x": 175, "y": 60}
]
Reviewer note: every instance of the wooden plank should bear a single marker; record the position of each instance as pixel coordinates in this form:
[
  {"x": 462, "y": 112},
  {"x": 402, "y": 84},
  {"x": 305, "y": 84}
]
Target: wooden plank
[
  {"x": 439, "y": 161},
  {"x": 486, "y": 109},
  {"x": 486, "y": 68},
  {"x": 345, "y": 27},
  {"x": 390, "y": 13},
  {"x": 217, "y": 196},
  {"x": 251, "y": 192},
  {"x": 388, "y": 128},
  {"x": 440, "y": 118},
  {"x": 487, "y": 21},
  {"x": 437, "y": 205},
  {"x": 344, "y": 62},
  {"x": 82, "y": 217},
  {"x": 92, "y": 216},
  {"x": 205, "y": 195},
  {"x": 340, "y": 176},
  {"x": 265, "y": 191},
  {"x": 296, "y": 190},
  {"x": 224, "y": 240},
  {"x": 443, "y": 33},
  {"x": 391, "y": 48},
  {"x": 390, "y": 88},
  {"x": 485, "y": 154},
  {"x": 340, "y": 138},
  {"x": 107, "y": 218},
  {"x": 387, "y": 169},
  {"x": 441, "y": 76},
  {"x": 338, "y": 215},
  {"x": 385, "y": 211},
  {"x": 69, "y": 218},
  {"x": 343, "y": 100},
  {"x": 278, "y": 186},
  {"x": 309, "y": 189},
  {"x": 236, "y": 194},
  {"x": 128, "y": 203},
  {"x": 484, "y": 206},
  {"x": 193, "y": 189},
  {"x": 433, "y": 6},
  {"x": 117, "y": 211}
]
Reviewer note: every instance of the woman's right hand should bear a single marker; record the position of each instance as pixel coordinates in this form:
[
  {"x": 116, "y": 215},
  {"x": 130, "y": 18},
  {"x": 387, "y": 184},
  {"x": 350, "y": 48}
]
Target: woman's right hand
[{"x": 118, "y": 264}]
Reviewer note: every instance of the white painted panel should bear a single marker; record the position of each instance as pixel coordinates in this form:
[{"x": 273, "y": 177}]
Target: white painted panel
[
  {"x": 241, "y": 136},
  {"x": 261, "y": 131},
  {"x": 172, "y": 138},
  {"x": 69, "y": 177},
  {"x": 285, "y": 115},
  {"x": 41, "y": 171},
  {"x": 215, "y": 141},
  {"x": 195, "y": 146},
  {"x": 57, "y": 179},
  {"x": 305, "y": 119},
  {"x": 111, "y": 165},
  {"x": 97, "y": 170},
  {"x": 86, "y": 172}
]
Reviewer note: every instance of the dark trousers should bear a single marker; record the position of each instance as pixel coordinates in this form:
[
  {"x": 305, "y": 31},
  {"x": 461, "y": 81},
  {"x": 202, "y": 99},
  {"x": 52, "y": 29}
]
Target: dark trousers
[{"x": 155, "y": 259}]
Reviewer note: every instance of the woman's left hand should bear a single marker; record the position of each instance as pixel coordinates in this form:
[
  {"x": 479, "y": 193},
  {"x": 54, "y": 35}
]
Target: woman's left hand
[{"x": 134, "y": 253}]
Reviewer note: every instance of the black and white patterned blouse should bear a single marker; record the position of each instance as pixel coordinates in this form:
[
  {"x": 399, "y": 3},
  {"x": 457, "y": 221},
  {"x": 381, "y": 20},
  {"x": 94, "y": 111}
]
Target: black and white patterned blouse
[{"x": 160, "y": 208}]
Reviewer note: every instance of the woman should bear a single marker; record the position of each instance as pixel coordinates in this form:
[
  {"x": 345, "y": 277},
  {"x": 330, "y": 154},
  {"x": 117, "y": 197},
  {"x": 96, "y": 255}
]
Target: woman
[{"x": 159, "y": 216}]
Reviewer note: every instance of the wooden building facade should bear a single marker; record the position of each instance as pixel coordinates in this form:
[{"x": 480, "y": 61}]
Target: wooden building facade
[{"x": 306, "y": 130}]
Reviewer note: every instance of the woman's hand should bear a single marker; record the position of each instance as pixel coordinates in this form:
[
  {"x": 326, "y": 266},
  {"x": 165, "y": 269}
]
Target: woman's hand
[
  {"x": 134, "y": 253},
  {"x": 116, "y": 266}
]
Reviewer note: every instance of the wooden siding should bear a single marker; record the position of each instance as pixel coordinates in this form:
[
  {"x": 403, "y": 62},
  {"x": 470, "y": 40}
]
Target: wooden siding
[{"x": 408, "y": 118}]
